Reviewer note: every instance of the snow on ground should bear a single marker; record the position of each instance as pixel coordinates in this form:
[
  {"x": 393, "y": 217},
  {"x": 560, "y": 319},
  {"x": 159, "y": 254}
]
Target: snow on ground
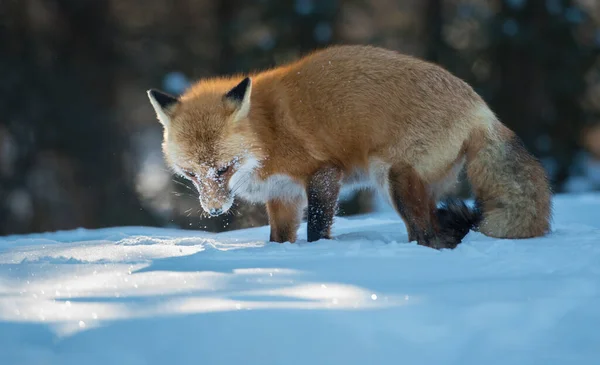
[{"x": 158, "y": 296}]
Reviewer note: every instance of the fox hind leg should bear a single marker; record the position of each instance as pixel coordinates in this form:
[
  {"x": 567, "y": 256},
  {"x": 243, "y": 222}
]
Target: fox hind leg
[
  {"x": 430, "y": 226},
  {"x": 413, "y": 202}
]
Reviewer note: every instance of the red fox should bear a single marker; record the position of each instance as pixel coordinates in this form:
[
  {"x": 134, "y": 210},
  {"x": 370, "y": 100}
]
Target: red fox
[{"x": 354, "y": 117}]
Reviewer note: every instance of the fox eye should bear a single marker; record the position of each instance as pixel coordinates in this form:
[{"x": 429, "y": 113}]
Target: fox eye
[
  {"x": 190, "y": 174},
  {"x": 222, "y": 170}
]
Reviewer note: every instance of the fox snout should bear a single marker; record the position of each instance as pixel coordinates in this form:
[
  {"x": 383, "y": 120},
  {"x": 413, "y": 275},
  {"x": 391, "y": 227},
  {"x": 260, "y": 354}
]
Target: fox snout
[
  {"x": 213, "y": 212},
  {"x": 215, "y": 207},
  {"x": 215, "y": 201}
]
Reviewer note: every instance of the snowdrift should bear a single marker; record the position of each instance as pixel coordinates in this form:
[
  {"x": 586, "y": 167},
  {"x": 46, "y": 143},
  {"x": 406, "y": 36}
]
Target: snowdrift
[{"x": 140, "y": 295}]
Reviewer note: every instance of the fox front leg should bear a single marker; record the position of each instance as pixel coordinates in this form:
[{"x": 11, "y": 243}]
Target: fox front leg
[
  {"x": 284, "y": 219},
  {"x": 322, "y": 190}
]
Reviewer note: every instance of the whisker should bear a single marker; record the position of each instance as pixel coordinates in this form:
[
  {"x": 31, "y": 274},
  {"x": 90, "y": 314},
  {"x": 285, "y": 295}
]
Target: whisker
[
  {"x": 235, "y": 188},
  {"x": 242, "y": 181},
  {"x": 184, "y": 185},
  {"x": 179, "y": 194},
  {"x": 202, "y": 214},
  {"x": 240, "y": 184}
]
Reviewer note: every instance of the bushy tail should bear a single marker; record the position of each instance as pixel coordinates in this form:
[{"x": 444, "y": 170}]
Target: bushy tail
[
  {"x": 510, "y": 185},
  {"x": 456, "y": 219}
]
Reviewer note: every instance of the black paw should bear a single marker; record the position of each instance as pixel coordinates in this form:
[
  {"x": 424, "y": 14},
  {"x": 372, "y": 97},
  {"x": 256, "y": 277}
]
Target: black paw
[{"x": 456, "y": 219}]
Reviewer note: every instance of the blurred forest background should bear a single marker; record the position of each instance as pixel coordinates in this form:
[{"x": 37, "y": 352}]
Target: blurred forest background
[{"x": 80, "y": 144}]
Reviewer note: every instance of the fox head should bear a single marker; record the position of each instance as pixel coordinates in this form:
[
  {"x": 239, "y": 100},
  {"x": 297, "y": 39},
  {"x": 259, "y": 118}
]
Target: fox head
[{"x": 208, "y": 139}]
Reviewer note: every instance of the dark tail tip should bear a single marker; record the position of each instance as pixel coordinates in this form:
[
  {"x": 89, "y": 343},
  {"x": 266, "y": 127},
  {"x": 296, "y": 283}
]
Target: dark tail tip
[{"x": 456, "y": 219}]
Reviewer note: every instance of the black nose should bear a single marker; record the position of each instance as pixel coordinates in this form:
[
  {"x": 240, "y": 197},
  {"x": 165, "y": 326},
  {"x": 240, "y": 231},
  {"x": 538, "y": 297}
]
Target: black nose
[{"x": 215, "y": 212}]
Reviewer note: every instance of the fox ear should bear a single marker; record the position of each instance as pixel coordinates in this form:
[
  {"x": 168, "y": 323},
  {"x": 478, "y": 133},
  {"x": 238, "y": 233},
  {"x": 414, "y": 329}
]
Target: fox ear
[
  {"x": 238, "y": 99},
  {"x": 162, "y": 102}
]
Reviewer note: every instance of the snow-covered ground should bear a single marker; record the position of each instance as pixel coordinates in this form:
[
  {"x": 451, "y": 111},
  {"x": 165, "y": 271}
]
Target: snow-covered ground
[{"x": 156, "y": 296}]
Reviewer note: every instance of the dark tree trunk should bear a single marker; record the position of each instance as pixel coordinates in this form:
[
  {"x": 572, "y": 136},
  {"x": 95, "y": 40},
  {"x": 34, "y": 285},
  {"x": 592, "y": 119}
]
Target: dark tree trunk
[{"x": 69, "y": 145}]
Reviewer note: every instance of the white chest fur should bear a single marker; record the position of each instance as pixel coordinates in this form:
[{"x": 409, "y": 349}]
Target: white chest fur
[
  {"x": 255, "y": 190},
  {"x": 246, "y": 184}
]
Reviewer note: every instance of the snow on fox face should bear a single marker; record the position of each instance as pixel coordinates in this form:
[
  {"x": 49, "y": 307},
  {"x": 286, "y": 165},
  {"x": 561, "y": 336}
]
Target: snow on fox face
[
  {"x": 207, "y": 139},
  {"x": 212, "y": 181}
]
